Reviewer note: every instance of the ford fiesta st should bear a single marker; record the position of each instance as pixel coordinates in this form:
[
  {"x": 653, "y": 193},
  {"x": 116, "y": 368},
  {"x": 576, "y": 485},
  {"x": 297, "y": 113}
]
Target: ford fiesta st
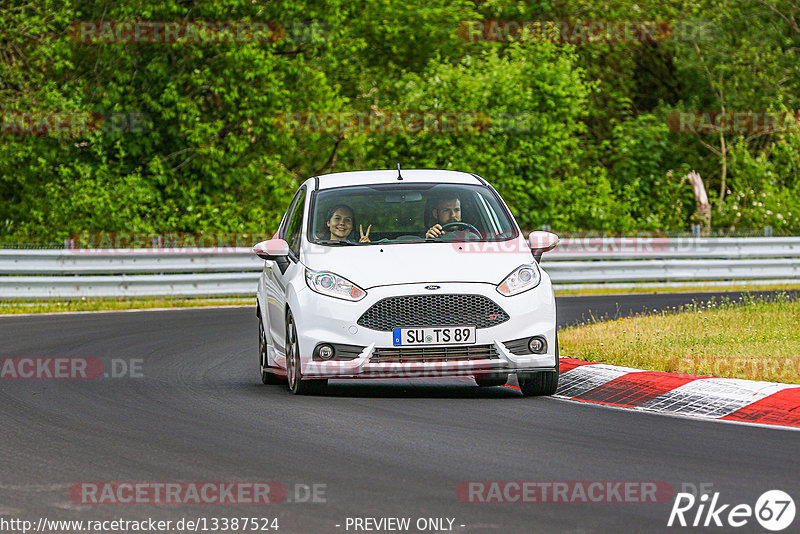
[{"x": 396, "y": 274}]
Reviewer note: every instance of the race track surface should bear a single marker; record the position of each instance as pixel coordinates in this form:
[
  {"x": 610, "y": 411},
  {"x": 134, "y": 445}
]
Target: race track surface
[{"x": 381, "y": 449}]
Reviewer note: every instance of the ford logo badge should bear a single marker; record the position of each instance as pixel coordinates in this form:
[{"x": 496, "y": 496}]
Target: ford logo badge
[{"x": 433, "y": 287}]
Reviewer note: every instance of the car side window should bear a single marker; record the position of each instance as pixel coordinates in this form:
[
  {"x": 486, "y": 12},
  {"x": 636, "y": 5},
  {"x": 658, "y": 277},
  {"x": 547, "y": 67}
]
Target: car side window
[
  {"x": 285, "y": 219},
  {"x": 295, "y": 226}
]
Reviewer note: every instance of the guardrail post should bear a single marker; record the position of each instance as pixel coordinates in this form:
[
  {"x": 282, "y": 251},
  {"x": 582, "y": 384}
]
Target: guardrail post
[
  {"x": 697, "y": 231},
  {"x": 767, "y": 231}
]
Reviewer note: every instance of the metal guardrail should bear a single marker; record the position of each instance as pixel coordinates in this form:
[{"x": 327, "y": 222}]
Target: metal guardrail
[
  {"x": 577, "y": 262},
  {"x": 646, "y": 248},
  {"x": 128, "y": 261},
  {"x": 146, "y": 285},
  {"x": 671, "y": 270}
]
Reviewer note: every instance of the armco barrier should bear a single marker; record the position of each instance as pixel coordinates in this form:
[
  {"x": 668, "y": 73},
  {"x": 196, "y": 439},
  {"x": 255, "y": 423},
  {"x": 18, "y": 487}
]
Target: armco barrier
[
  {"x": 41, "y": 273},
  {"x": 128, "y": 261}
]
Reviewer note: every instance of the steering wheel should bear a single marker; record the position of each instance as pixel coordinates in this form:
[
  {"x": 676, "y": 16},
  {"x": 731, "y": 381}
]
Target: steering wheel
[{"x": 465, "y": 226}]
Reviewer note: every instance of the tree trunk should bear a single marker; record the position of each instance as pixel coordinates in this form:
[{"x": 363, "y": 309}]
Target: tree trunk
[
  {"x": 723, "y": 146},
  {"x": 701, "y": 201}
]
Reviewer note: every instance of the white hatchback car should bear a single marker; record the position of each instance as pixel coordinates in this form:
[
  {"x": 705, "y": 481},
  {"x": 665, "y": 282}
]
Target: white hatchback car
[{"x": 396, "y": 274}]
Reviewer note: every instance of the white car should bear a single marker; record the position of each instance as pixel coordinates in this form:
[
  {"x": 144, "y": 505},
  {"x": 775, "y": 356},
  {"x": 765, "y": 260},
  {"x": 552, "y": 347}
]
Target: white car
[{"x": 397, "y": 274}]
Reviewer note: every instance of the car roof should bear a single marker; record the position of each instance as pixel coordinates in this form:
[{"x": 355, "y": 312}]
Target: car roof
[{"x": 343, "y": 179}]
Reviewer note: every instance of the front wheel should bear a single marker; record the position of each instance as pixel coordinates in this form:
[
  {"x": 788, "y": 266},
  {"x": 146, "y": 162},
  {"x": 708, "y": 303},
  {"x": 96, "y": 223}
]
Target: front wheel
[
  {"x": 538, "y": 383},
  {"x": 268, "y": 377},
  {"x": 297, "y": 385}
]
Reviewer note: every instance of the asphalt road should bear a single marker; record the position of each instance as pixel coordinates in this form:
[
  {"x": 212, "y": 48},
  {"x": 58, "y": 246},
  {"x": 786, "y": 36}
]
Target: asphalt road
[{"x": 374, "y": 449}]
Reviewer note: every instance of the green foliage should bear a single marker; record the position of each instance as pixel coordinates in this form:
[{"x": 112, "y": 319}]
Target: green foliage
[
  {"x": 638, "y": 154},
  {"x": 573, "y": 135},
  {"x": 532, "y": 97},
  {"x": 767, "y": 188}
]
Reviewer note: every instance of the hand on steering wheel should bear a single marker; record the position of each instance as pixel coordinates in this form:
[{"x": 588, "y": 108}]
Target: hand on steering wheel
[
  {"x": 465, "y": 226},
  {"x": 438, "y": 230}
]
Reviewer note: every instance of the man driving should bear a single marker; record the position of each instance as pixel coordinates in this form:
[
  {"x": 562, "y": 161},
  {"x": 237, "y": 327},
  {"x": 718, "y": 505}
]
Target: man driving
[{"x": 446, "y": 210}]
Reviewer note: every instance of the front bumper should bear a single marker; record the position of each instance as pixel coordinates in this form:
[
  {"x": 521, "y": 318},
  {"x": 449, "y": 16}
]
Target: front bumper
[
  {"x": 362, "y": 367},
  {"x": 322, "y": 319}
]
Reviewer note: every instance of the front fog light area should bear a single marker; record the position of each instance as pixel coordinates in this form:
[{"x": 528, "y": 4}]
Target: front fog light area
[
  {"x": 537, "y": 345},
  {"x": 527, "y": 345},
  {"x": 324, "y": 352}
]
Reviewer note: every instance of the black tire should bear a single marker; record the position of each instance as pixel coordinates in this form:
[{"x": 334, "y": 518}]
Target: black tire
[
  {"x": 539, "y": 383},
  {"x": 488, "y": 380},
  {"x": 294, "y": 372},
  {"x": 268, "y": 377}
]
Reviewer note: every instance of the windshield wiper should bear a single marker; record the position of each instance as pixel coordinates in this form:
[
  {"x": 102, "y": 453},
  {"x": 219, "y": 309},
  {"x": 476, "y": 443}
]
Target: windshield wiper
[{"x": 335, "y": 242}]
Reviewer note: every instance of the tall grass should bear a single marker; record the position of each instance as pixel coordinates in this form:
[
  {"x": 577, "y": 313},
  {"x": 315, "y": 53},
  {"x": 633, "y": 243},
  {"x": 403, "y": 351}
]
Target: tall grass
[{"x": 755, "y": 338}]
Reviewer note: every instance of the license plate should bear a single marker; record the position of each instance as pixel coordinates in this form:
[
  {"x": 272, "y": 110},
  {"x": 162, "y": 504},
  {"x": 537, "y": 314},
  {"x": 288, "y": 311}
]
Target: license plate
[{"x": 440, "y": 335}]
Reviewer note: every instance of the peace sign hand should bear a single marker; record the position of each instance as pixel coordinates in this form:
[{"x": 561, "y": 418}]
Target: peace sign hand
[{"x": 364, "y": 237}]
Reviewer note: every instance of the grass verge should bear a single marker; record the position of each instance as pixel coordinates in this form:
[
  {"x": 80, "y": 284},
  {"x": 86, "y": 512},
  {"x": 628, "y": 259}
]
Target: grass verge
[
  {"x": 72, "y": 305},
  {"x": 752, "y": 338},
  {"x": 701, "y": 288}
]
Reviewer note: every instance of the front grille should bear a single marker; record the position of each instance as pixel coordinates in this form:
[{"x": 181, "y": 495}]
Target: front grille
[
  {"x": 434, "y": 354},
  {"x": 416, "y": 311}
]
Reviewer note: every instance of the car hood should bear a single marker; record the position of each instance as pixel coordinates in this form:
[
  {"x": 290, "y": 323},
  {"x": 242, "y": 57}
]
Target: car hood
[{"x": 377, "y": 265}]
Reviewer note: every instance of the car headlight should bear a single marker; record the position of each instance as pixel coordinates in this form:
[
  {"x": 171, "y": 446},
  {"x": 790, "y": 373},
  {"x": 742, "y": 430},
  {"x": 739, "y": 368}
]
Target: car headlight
[
  {"x": 523, "y": 278},
  {"x": 333, "y": 285}
]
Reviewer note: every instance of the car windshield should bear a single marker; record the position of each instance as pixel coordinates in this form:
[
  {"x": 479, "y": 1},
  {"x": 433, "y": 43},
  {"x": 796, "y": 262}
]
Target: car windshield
[{"x": 405, "y": 213}]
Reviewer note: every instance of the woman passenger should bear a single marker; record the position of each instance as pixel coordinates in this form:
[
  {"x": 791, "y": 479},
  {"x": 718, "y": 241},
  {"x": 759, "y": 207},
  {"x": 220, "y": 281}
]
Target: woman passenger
[{"x": 340, "y": 221}]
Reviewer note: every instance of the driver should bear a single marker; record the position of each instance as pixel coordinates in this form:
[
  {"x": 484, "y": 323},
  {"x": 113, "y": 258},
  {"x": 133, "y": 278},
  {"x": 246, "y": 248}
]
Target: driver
[{"x": 446, "y": 210}]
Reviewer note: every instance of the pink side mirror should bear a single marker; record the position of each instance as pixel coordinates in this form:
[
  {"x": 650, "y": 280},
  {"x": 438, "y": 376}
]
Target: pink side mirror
[
  {"x": 271, "y": 249},
  {"x": 541, "y": 242}
]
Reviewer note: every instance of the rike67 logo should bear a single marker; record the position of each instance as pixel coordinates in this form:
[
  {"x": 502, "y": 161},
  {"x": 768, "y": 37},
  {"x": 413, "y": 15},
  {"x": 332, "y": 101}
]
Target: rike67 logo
[{"x": 774, "y": 510}]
